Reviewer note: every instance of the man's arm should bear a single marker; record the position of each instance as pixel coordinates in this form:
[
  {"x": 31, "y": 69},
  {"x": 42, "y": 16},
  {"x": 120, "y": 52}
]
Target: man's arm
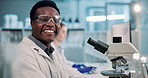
[{"x": 26, "y": 66}]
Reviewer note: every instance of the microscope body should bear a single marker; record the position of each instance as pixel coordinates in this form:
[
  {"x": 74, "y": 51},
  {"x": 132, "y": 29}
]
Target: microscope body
[
  {"x": 124, "y": 58},
  {"x": 125, "y": 49}
]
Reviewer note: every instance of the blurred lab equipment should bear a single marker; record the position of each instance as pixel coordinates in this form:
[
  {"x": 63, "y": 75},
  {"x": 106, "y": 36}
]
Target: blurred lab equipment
[
  {"x": 27, "y": 23},
  {"x": 11, "y": 21},
  {"x": 76, "y": 23},
  {"x": 124, "y": 57},
  {"x": 70, "y": 24}
]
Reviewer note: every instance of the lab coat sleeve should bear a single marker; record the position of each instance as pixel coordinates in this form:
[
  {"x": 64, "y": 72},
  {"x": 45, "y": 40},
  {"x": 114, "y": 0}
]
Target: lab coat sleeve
[
  {"x": 27, "y": 65},
  {"x": 73, "y": 73}
]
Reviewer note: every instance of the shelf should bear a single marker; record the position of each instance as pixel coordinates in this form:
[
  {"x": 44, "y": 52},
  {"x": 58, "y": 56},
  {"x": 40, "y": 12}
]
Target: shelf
[
  {"x": 76, "y": 29},
  {"x": 28, "y": 29},
  {"x": 13, "y": 35},
  {"x": 10, "y": 29},
  {"x": 15, "y": 29}
]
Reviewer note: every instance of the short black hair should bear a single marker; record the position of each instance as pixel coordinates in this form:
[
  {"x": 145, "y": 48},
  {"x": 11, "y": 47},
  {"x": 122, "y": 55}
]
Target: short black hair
[{"x": 43, "y": 3}]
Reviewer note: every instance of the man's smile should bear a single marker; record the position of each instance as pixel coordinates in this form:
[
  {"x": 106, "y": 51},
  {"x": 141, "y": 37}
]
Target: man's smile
[{"x": 50, "y": 31}]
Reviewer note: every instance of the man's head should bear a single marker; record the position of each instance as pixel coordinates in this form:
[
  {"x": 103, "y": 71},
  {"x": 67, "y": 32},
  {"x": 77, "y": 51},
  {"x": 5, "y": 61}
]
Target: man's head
[{"x": 45, "y": 21}]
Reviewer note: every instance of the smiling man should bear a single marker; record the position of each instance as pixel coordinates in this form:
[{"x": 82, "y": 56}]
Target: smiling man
[{"x": 36, "y": 57}]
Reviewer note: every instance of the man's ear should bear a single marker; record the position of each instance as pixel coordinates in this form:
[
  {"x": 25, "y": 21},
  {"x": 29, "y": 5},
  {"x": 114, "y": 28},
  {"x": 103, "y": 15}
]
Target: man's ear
[{"x": 32, "y": 23}]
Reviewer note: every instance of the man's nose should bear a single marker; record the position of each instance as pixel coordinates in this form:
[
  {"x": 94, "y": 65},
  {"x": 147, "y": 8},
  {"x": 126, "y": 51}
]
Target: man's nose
[
  {"x": 50, "y": 23},
  {"x": 51, "y": 20}
]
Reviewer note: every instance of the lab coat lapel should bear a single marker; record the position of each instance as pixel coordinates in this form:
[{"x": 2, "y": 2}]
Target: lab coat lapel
[
  {"x": 37, "y": 48},
  {"x": 52, "y": 65},
  {"x": 41, "y": 52}
]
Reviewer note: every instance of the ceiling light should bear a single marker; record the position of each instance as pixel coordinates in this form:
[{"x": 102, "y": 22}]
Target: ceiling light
[
  {"x": 115, "y": 17},
  {"x": 103, "y": 18},
  {"x": 137, "y": 8},
  {"x": 95, "y": 18}
]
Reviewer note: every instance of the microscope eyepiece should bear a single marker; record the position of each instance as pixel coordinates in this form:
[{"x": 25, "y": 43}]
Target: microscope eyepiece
[
  {"x": 91, "y": 42},
  {"x": 98, "y": 45}
]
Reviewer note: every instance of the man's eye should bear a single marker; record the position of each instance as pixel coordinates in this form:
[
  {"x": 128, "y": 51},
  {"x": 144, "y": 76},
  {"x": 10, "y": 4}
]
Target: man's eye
[
  {"x": 43, "y": 20},
  {"x": 57, "y": 20}
]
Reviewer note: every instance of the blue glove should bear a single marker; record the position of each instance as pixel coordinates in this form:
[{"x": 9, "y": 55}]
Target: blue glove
[
  {"x": 87, "y": 70},
  {"x": 78, "y": 66},
  {"x": 84, "y": 69}
]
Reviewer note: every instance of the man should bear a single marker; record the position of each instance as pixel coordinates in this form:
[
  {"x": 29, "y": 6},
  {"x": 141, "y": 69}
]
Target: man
[{"x": 36, "y": 58}]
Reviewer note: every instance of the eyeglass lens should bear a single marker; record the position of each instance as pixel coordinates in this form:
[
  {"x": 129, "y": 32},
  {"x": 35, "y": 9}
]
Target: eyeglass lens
[{"x": 47, "y": 19}]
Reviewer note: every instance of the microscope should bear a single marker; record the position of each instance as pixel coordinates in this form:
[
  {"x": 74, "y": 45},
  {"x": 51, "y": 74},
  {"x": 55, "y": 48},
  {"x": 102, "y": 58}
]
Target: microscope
[{"x": 124, "y": 57}]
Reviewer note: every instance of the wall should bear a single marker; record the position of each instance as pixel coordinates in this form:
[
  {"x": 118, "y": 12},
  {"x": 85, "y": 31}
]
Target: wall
[
  {"x": 144, "y": 29},
  {"x": 21, "y": 8}
]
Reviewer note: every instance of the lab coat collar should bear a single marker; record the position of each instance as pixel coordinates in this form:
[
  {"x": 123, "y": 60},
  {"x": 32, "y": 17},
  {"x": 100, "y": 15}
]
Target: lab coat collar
[
  {"x": 41, "y": 52},
  {"x": 48, "y": 51},
  {"x": 36, "y": 48}
]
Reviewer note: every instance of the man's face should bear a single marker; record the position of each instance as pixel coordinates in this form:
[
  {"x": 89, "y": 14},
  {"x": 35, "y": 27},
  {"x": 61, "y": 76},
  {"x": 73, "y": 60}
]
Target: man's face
[{"x": 45, "y": 31}]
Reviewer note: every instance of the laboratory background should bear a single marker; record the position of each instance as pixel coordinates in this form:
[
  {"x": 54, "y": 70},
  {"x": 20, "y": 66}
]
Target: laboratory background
[{"x": 95, "y": 19}]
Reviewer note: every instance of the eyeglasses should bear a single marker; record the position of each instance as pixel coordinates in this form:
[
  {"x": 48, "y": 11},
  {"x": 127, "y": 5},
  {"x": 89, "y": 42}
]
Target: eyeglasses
[{"x": 46, "y": 19}]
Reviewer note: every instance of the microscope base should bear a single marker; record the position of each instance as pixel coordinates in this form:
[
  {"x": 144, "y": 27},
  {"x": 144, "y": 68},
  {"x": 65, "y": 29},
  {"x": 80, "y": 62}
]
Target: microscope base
[{"x": 114, "y": 74}]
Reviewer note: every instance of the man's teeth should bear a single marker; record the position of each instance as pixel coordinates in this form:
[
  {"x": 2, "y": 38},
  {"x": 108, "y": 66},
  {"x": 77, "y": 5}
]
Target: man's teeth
[{"x": 48, "y": 31}]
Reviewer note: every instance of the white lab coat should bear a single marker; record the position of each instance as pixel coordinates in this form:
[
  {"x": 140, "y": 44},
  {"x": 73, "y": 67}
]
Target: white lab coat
[{"x": 33, "y": 62}]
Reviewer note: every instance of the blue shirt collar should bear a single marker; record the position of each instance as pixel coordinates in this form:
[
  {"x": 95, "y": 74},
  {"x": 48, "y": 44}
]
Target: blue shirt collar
[{"x": 48, "y": 51}]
